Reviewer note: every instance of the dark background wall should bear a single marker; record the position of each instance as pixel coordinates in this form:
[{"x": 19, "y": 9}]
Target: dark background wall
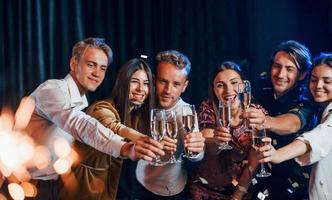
[{"x": 36, "y": 36}]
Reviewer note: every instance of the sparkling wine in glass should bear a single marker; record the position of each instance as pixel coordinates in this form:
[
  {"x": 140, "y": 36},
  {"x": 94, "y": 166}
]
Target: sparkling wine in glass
[
  {"x": 225, "y": 119},
  {"x": 244, "y": 96},
  {"x": 158, "y": 130},
  {"x": 257, "y": 140},
  {"x": 172, "y": 131},
  {"x": 188, "y": 123}
]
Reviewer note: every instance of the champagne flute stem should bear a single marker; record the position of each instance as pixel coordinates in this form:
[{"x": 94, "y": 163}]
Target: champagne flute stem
[{"x": 262, "y": 168}]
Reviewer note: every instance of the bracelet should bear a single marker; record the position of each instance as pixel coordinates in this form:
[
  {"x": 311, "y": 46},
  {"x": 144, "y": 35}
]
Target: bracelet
[{"x": 242, "y": 189}]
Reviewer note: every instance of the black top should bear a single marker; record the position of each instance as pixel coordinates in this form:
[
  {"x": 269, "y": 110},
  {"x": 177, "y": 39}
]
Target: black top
[{"x": 288, "y": 179}]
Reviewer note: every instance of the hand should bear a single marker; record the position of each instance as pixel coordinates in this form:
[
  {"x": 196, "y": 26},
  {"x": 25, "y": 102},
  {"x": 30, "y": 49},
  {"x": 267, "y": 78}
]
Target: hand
[
  {"x": 194, "y": 142},
  {"x": 169, "y": 144},
  {"x": 144, "y": 148},
  {"x": 267, "y": 152},
  {"x": 254, "y": 116},
  {"x": 222, "y": 134}
]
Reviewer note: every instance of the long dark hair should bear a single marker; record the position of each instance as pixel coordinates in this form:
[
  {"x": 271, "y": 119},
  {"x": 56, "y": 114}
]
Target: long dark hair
[
  {"x": 225, "y": 157},
  {"x": 321, "y": 59},
  {"x": 301, "y": 59},
  {"x": 222, "y": 67},
  {"x": 120, "y": 92}
]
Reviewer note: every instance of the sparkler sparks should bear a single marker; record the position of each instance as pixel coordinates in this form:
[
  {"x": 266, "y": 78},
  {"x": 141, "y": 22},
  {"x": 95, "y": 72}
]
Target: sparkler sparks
[
  {"x": 18, "y": 152},
  {"x": 16, "y": 191}
]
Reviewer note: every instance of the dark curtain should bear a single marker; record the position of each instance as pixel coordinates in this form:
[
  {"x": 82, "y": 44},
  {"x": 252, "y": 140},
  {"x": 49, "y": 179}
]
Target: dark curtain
[{"x": 37, "y": 35}]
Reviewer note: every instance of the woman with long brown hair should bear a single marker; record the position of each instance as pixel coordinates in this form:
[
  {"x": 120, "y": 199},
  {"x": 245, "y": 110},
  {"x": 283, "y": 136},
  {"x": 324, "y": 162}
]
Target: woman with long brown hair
[
  {"x": 224, "y": 174},
  {"x": 126, "y": 113}
]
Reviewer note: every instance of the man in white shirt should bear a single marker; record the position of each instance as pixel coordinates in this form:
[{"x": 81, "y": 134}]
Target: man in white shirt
[
  {"x": 58, "y": 114},
  {"x": 169, "y": 181}
]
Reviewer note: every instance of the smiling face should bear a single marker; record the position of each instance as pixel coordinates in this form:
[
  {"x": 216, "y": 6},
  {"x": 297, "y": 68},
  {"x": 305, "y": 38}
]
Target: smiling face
[
  {"x": 284, "y": 73},
  {"x": 89, "y": 71},
  {"x": 138, "y": 87},
  {"x": 170, "y": 83},
  {"x": 321, "y": 84},
  {"x": 225, "y": 85}
]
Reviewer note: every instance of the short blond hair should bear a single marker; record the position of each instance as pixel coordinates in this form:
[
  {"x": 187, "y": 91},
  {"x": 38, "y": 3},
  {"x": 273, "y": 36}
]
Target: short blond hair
[
  {"x": 99, "y": 43},
  {"x": 176, "y": 58}
]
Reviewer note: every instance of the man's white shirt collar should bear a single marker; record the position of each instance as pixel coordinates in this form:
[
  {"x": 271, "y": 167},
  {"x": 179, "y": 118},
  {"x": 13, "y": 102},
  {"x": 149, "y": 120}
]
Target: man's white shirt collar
[
  {"x": 76, "y": 100},
  {"x": 326, "y": 112},
  {"x": 178, "y": 103}
]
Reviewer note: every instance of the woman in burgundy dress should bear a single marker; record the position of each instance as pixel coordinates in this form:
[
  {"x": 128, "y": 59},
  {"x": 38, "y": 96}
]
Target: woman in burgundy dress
[{"x": 224, "y": 174}]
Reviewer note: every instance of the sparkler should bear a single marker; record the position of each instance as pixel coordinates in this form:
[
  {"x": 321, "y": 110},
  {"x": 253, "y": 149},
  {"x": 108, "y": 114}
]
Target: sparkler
[{"x": 18, "y": 152}]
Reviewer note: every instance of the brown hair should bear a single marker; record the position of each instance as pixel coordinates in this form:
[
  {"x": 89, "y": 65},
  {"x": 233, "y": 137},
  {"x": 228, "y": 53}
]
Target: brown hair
[
  {"x": 222, "y": 67},
  {"x": 120, "y": 92}
]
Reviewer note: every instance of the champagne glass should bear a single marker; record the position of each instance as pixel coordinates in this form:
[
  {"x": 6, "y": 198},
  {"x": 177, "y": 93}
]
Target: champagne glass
[
  {"x": 257, "y": 135},
  {"x": 172, "y": 131},
  {"x": 158, "y": 130},
  {"x": 188, "y": 122},
  {"x": 225, "y": 119},
  {"x": 244, "y": 95}
]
